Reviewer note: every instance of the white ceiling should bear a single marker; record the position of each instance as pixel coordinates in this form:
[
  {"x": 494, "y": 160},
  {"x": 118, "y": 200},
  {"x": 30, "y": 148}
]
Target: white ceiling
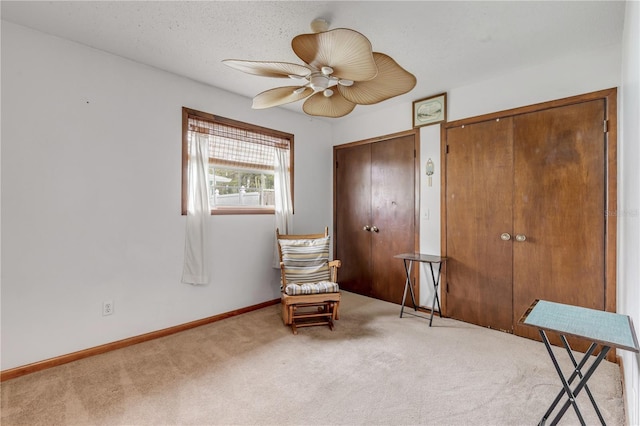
[{"x": 444, "y": 44}]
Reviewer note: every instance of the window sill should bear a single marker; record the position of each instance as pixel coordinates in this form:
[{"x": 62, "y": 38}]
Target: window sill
[{"x": 239, "y": 211}]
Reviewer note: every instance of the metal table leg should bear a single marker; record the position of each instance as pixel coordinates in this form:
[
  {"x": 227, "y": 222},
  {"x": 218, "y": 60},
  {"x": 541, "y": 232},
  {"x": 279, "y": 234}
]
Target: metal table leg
[
  {"x": 571, "y": 379},
  {"x": 571, "y": 394},
  {"x": 577, "y": 371},
  {"x": 408, "y": 284},
  {"x": 436, "y": 283}
]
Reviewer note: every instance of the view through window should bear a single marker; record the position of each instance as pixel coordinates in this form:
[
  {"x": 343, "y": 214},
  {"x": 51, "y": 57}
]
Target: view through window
[{"x": 242, "y": 162}]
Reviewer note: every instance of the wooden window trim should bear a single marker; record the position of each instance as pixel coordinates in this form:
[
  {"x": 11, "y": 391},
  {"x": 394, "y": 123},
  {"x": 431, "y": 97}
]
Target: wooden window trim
[{"x": 186, "y": 112}]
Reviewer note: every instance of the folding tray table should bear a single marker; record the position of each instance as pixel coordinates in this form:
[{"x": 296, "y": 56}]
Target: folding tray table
[
  {"x": 604, "y": 329},
  {"x": 408, "y": 259}
]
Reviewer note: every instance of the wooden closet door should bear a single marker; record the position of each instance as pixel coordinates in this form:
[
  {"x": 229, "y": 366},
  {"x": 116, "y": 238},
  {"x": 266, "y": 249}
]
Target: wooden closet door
[
  {"x": 479, "y": 205},
  {"x": 375, "y": 186},
  {"x": 559, "y": 191},
  {"x": 393, "y": 212},
  {"x": 353, "y": 212}
]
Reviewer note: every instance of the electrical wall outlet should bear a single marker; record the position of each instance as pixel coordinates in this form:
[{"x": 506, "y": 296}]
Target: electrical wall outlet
[{"x": 107, "y": 307}]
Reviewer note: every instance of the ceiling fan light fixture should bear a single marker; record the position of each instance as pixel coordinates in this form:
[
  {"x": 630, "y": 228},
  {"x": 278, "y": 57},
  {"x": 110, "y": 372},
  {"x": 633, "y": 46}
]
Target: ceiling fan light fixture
[
  {"x": 319, "y": 25},
  {"x": 327, "y": 93},
  {"x": 345, "y": 83},
  {"x": 319, "y": 82},
  {"x": 326, "y": 70}
]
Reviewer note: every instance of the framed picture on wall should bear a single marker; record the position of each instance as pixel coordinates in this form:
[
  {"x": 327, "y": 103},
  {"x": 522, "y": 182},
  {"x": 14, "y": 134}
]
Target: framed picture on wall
[{"x": 430, "y": 110}]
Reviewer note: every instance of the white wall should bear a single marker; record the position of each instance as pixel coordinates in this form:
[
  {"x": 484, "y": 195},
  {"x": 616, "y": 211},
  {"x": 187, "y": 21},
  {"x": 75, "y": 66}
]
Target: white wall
[
  {"x": 91, "y": 169},
  {"x": 629, "y": 201}
]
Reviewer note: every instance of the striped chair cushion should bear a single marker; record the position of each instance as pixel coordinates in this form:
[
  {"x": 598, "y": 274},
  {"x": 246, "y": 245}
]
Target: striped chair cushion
[
  {"x": 306, "y": 261},
  {"x": 312, "y": 288}
]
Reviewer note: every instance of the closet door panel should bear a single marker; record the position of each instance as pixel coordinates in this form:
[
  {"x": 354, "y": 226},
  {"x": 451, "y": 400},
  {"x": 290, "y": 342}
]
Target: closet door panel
[
  {"x": 392, "y": 212},
  {"x": 479, "y": 210},
  {"x": 559, "y": 190},
  {"x": 353, "y": 212}
]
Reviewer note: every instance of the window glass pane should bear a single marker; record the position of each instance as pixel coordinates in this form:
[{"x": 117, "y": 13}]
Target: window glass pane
[{"x": 241, "y": 187}]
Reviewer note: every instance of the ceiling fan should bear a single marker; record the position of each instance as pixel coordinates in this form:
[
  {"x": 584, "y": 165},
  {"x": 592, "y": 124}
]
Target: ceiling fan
[{"x": 341, "y": 71}]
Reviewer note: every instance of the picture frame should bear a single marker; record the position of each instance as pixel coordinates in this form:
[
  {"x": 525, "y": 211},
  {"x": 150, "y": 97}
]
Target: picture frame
[{"x": 430, "y": 110}]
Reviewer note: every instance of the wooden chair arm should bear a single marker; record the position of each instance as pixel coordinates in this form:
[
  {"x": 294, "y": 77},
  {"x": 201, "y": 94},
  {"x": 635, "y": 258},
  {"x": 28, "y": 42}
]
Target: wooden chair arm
[{"x": 334, "y": 265}]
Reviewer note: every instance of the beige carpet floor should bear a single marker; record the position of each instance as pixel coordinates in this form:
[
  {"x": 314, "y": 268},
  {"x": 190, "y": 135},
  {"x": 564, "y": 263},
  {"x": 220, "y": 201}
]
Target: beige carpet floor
[{"x": 374, "y": 369}]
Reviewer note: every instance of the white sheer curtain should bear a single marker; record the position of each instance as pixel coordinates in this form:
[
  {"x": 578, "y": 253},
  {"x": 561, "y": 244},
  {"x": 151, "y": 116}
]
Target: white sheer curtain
[
  {"x": 284, "y": 205},
  {"x": 196, "y": 247}
]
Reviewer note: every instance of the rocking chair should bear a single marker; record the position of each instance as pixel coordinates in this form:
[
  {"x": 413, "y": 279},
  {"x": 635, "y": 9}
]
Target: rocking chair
[{"x": 310, "y": 292}]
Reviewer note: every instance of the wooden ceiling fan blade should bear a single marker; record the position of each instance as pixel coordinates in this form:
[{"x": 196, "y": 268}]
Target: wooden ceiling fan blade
[
  {"x": 334, "y": 106},
  {"x": 268, "y": 69},
  {"x": 392, "y": 80},
  {"x": 279, "y": 96},
  {"x": 348, "y": 52}
]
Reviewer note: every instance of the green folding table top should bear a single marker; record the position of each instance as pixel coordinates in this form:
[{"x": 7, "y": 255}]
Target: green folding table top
[{"x": 607, "y": 328}]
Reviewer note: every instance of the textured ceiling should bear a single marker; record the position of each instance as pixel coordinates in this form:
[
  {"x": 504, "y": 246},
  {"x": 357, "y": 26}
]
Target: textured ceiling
[{"x": 444, "y": 44}]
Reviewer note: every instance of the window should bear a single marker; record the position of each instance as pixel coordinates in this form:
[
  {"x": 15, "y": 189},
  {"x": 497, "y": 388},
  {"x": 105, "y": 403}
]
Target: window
[{"x": 241, "y": 162}]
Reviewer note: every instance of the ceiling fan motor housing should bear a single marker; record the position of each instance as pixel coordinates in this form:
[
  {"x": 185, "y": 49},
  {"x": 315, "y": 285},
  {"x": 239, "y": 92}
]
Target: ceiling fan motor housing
[{"x": 319, "y": 82}]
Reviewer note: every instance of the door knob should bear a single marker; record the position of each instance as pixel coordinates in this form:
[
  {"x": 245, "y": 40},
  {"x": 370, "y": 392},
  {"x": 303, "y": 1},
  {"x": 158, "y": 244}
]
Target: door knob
[
  {"x": 520, "y": 238},
  {"x": 505, "y": 237},
  {"x": 374, "y": 229},
  {"x": 366, "y": 228}
]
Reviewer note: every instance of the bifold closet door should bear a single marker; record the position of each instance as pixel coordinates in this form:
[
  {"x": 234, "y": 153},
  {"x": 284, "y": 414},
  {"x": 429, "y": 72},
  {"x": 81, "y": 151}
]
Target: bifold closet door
[
  {"x": 479, "y": 206},
  {"x": 559, "y": 208}
]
